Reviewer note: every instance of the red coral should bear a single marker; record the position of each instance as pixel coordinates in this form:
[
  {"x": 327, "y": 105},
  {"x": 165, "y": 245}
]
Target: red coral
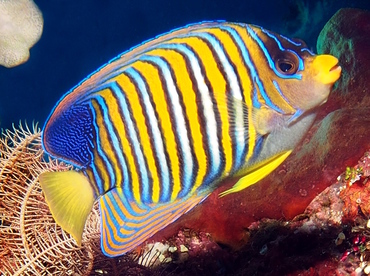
[{"x": 356, "y": 197}]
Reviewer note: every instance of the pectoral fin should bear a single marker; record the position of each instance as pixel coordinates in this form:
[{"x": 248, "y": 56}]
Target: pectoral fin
[
  {"x": 257, "y": 173},
  {"x": 70, "y": 198}
]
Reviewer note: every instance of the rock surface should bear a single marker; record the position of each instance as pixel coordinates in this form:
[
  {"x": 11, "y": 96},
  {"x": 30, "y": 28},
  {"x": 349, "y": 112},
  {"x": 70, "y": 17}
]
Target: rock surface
[{"x": 337, "y": 140}]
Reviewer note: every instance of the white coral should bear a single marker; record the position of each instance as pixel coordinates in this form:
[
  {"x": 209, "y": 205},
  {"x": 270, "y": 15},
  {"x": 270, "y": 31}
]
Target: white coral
[{"x": 21, "y": 25}]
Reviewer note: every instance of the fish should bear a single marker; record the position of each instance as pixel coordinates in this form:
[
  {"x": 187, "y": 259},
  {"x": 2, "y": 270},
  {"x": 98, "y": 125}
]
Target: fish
[{"x": 157, "y": 129}]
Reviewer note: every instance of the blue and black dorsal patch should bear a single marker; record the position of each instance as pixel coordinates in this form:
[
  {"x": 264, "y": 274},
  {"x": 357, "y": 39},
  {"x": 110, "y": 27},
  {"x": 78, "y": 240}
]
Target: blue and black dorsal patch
[{"x": 68, "y": 135}]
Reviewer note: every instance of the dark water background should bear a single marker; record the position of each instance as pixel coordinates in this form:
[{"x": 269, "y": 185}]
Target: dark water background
[{"x": 81, "y": 35}]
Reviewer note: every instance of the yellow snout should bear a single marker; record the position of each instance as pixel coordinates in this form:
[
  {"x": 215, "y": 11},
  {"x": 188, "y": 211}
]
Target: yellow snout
[{"x": 327, "y": 68}]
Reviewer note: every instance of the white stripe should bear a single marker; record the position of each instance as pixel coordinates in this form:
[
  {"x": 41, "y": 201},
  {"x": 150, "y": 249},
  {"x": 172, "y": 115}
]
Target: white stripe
[
  {"x": 236, "y": 93},
  {"x": 132, "y": 135},
  {"x": 157, "y": 138},
  {"x": 208, "y": 111},
  {"x": 179, "y": 119}
]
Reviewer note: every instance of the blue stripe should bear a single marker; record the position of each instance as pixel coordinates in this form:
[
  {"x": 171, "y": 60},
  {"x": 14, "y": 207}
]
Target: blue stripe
[
  {"x": 110, "y": 133},
  {"x": 98, "y": 180},
  {"x": 131, "y": 237},
  {"x": 255, "y": 101},
  {"x": 267, "y": 98},
  {"x": 300, "y": 60},
  {"x": 214, "y": 160},
  {"x": 117, "y": 226},
  {"x": 179, "y": 122},
  {"x": 276, "y": 84},
  {"x": 132, "y": 135},
  {"x": 308, "y": 50},
  {"x": 267, "y": 55},
  {"x": 100, "y": 151},
  {"x": 301, "y": 63},
  {"x": 289, "y": 40},
  {"x": 116, "y": 145},
  {"x": 253, "y": 73},
  {"x": 235, "y": 92},
  {"x": 118, "y": 211},
  {"x": 122, "y": 63},
  {"x": 258, "y": 147},
  {"x": 105, "y": 242},
  {"x": 157, "y": 138}
]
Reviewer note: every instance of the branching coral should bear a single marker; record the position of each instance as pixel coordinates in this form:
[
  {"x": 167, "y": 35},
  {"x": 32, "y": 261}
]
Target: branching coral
[{"x": 30, "y": 241}]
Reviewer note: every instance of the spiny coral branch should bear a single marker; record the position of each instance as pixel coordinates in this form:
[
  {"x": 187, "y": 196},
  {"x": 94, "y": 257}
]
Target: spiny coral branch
[{"x": 31, "y": 243}]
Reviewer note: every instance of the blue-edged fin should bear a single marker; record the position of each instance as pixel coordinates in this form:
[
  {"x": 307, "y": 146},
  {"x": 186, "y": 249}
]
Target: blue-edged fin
[
  {"x": 70, "y": 197},
  {"x": 126, "y": 224},
  {"x": 257, "y": 173},
  {"x": 265, "y": 120}
]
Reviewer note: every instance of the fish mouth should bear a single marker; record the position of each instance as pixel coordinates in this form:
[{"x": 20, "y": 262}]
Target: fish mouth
[
  {"x": 328, "y": 69},
  {"x": 335, "y": 68}
]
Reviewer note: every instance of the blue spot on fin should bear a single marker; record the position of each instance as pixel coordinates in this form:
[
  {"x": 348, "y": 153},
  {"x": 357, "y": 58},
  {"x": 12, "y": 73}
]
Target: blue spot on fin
[
  {"x": 126, "y": 224},
  {"x": 68, "y": 135}
]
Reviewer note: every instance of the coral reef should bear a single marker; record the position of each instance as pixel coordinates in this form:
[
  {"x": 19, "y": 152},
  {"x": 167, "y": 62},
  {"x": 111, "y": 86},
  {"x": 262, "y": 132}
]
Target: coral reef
[
  {"x": 31, "y": 243},
  {"x": 30, "y": 240},
  {"x": 315, "y": 227},
  {"x": 315, "y": 242},
  {"x": 337, "y": 140},
  {"x": 320, "y": 241}
]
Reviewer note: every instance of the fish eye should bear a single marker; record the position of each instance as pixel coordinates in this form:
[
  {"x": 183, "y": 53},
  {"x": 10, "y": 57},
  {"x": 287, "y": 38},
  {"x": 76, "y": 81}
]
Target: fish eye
[{"x": 287, "y": 64}]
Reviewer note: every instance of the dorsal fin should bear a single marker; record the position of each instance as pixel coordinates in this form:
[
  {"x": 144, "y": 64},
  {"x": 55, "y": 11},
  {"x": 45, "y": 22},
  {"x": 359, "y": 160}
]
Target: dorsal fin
[
  {"x": 67, "y": 136},
  {"x": 94, "y": 80},
  {"x": 125, "y": 224},
  {"x": 68, "y": 130}
]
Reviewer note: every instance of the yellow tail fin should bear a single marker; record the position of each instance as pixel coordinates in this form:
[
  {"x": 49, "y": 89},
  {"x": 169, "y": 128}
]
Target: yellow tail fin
[{"x": 70, "y": 197}]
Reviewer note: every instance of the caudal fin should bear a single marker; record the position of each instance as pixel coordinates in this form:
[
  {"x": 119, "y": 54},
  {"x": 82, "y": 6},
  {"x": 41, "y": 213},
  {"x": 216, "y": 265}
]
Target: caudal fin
[{"x": 70, "y": 198}]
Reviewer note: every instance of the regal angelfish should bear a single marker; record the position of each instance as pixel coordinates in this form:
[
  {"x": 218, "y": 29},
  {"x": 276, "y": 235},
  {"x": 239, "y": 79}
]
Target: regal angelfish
[{"x": 157, "y": 129}]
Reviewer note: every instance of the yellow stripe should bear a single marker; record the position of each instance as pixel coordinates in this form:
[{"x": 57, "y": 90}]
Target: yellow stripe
[
  {"x": 246, "y": 84},
  {"x": 152, "y": 77},
  {"x": 106, "y": 147},
  {"x": 266, "y": 74},
  {"x": 218, "y": 84},
  {"x": 102, "y": 170},
  {"x": 109, "y": 224},
  {"x": 136, "y": 229},
  {"x": 185, "y": 85},
  {"x": 144, "y": 137},
  {"x": 91, "y": 177},
  {"x": 116, "y": 118}
]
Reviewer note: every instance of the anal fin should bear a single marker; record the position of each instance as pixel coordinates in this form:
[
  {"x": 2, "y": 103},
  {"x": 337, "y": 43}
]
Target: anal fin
[{"x": 126, "y": 224}]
